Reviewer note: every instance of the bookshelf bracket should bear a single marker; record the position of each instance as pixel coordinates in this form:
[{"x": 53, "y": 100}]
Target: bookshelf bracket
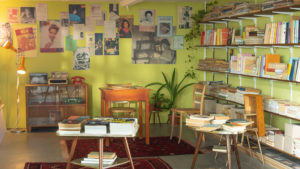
[
  {"x": 296, "y": 9},
  {"x": 272, "y": 50},
  {"x": 283, "y": 13},
  {"x": 251, "y": 18},
  {"x": 255, "y": 50},
  {"x": 291, "y": 52},
  {"x": 268, "y": 16},
  {"x": 222, "y": 22},
  {"x": 254, "y": 80},
  {"x": 291, "y": 91},
  {"x": 232, "y": 20},
  {"x": 272, "y": 89},
  {"x": 240, "y": 78}
]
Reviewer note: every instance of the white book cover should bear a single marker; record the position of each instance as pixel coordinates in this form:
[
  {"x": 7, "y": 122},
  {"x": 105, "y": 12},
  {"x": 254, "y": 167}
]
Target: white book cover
[
  {"x": 297, "y": 79},
  {"x": 283, "y": 33}
]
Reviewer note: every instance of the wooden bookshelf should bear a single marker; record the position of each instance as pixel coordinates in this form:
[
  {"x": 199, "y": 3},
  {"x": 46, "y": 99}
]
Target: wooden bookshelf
[{"x": 250, "y": 45}]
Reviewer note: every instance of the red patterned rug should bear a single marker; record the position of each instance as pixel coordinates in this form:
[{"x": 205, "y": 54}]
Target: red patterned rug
[
  {"x": 145, "y": 163},
  {"x": 159, "y": 146}
]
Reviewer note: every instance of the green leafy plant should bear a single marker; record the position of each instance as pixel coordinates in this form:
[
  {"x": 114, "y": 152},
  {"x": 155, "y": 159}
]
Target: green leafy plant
[
  {"x": 197, "y": 18},
  {"x": 159, "y": 100},
  {"x": 173, "y": 88}
]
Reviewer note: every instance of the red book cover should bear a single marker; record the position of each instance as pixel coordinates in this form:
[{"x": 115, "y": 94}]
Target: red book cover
[
  {"x": 202, "y": 37},
  {"x": 224, "y": 36}
]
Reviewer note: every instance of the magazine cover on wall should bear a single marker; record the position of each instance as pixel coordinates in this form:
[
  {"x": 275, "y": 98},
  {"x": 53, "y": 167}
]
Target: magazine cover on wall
[
  {"x": 125, "y": 26},
  {"x": 184, "y": 17},
  {"x": 98, "y": 44},
  {"x": 164, "y": 26},
  {"x": 51, "y": 39},
  {"x": 147, "y": 48},
  {"x": 5, "y": 33},
  {"x": 82, "y": 59},
  {"x": 114, "y": 13},
  {"x": 147, "y": 20},
  {"x": 13, "y": 15},
  {"x": 77, "y": 14},
  {"x": 26, "y": 39},
  {"x": 27, "y": 15},
  {"x": 111, "y": 46}
]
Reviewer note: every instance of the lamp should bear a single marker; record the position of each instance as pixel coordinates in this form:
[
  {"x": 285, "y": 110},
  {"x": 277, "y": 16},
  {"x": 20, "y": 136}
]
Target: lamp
[{"x": 20, "y": 71}]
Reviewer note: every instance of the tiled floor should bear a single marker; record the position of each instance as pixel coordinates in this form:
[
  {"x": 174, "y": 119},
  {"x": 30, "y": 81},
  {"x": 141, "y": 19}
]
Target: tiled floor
[{"x": 16, "y": 149}]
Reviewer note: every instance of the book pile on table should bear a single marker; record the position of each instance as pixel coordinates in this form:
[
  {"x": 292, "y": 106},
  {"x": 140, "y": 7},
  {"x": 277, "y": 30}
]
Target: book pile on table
[
  {"x": 123, "y": 126},
  {"x": 93, "y": 158},
  {"x": 236, "y": 125},
  {"x": 218, "y": 148},
  {"x": 72, "y": 125},
  {"x": 219, "y": 118},
  {"x": 201, "y": 122},
  {"x": 97, "y": 126}
]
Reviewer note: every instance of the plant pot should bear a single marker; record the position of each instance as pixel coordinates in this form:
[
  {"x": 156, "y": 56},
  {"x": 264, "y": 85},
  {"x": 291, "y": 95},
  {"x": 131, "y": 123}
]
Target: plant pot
[{"x": 176, "y": 119}]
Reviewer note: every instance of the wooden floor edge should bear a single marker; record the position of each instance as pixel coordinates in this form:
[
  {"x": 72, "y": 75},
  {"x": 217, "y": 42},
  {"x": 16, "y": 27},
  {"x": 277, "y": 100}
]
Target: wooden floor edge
[{"x": 267, "y": 159}]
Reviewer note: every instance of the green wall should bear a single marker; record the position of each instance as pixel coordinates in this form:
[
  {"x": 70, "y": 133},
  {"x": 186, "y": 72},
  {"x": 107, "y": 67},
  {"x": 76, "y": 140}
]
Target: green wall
[{"x": 103, "y": 69}]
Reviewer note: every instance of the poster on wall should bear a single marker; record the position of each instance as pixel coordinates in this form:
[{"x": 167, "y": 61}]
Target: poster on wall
[
  {"x": 51, "y": 39},
  {"x": 98, "y": 44},
  {"x": 90, "y": 43},
  {"x": 114, "y": 13},
  {"x": 64, "y": 19},
  {"x": 5, "y": 33},
  {"x": 78, "y": 31},
  {"x": 109, "y": 29},
  {"x": 125, "y": 26},
  {"x": 100, "y": 21},
  {"x": 147, "y": 20},
  {"x": 41, "y": 11},
  {"x": 111, "y": 45},
  {"x": 164, "y": 26},
  {"x": 71, "y": 44},
  {"x": 27, "y": 15},
  {"x": 95, "y": 11},
  {"x": 90, "y": 24},
  {"x": 26, "y": 39},
  {"x": 178, "y": 42},
  {"x": 13, "y": 15},
  {"x": 184, "y": 17},
  {"x": 77, "y": 14},
  {"x": 147, "y": 48},
  {"x": 82, "y": 59}
]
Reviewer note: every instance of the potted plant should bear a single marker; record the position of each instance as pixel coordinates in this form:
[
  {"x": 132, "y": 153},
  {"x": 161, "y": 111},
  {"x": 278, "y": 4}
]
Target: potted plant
[
  {"x": 158, "y": 101},
  {"x": 173, "y": 88}
]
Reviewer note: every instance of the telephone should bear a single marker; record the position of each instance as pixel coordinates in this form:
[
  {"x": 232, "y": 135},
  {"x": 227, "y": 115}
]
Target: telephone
[{"x": 77, "y": 79}]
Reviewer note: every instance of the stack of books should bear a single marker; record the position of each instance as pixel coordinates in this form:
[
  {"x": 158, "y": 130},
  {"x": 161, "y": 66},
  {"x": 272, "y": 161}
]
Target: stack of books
[
  {"x": 297, "y": 147},
  {"x": 218, "y": 148},
  {"x": 236, "y": 125},
  {"x": 72, "y": 125},
  {"x": 93, "y": 158},
  {"x": 213, "y": 64},
  {"x": 197, "y": 120},
  {"x": 219, "y": 118},
  {"x": 97, "y": 126},
  {"x": 123, "y": 126}
]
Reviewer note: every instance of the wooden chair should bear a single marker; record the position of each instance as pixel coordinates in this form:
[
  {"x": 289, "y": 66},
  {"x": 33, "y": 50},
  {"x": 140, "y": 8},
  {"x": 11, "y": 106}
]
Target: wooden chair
[
  {"x": 123, "y": 108},
  {"x": 199, "y": 89},
  {"x": 254, "y": 111}
]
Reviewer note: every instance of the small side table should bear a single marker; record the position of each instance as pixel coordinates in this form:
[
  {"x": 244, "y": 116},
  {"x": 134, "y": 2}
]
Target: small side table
[{"x": 155, "y": 112}]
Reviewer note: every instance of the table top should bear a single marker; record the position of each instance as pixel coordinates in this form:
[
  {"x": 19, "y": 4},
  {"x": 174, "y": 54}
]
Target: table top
[
  {"x": 218, "y": 131},
  {"x": 82, "y": 134}
]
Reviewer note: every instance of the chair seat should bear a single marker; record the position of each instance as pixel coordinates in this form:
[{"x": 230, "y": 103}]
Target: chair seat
[
  {"x": 121, "y": 110},
  {"x": 186, "y": 110}
]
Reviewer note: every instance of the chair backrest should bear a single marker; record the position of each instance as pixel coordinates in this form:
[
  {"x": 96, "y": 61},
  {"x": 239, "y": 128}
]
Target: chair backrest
[{"x": 198, "y": 96}]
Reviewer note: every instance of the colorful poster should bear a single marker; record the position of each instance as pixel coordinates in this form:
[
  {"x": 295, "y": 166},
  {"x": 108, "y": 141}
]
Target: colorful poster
[
  {"x": 147, "y": 20},
  {"x": 51, "y": 39},
  {"x": 98, "y": 44},
  {"x": 125, "y": 26},
  {"x": 5, "y": 33},
  {"x": 27, "y": 15},
  {"x": 184, "y": 17},
  {"x": 77, "y": 14},
  {"x": 164, "y": 26},
  {"x": 178, "y": 42},
  {"x": 147, "y": 48},
  {"x": 71, "y": 44},
  {"x": 41, "y": 12},
  {"x": 13, "y": 15},
  {"x": 82, "y": 59},
  {"x": 26, "y": 39},
  {"x": 114, "y": 13},
  {"x": 111, "y": 46},
  {"x": 90, "y": 43}
]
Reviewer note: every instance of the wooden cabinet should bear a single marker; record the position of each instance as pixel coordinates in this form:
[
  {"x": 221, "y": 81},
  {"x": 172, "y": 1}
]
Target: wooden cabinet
[{"x": 46, "y": 105}]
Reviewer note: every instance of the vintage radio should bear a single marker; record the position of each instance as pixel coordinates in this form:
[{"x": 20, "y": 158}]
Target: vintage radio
[{"x": 58, "y": 78}]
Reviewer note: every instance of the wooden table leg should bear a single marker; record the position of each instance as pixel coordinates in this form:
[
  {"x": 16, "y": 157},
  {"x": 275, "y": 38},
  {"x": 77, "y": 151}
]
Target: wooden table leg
[
  {"x": 73, "y": 147},
  {"x": 180, "y": 127},
  {"x": 197, "y": 149},
  {"x": 147, "y": 121},
  {"x": 102, "y": 104},
  {"x": 100, "y": 153},
  {"x": 141, "y": 119},
  {"x": 128, "y": 152},
  {"x": 228, "y": 150},
  {"x": 172, "y": 124},
  {"x": 107, "y": 114},
  {"x": 234, "y": 137}
]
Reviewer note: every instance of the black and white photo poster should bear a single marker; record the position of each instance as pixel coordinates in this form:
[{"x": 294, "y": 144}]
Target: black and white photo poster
[
  {"x": 147, "y": 20},
  {"x": 82, "y": 59},
  {"x": 184, "y": 17},
  {"x": 164, "y": 26}
]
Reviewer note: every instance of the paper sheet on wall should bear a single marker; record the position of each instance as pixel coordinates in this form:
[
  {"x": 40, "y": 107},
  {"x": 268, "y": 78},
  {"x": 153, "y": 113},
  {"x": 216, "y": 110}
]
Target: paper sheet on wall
[
  {"x": 109, "y": 29},
  {"x": 90, "y": 24},
  {"x": 5, "y": 33},
  {"x": 64, "y": 19},
  {"x": 100, "y": 21},
  {"x": 178, "y": 42},
  {"x": 13, "y": 15},
  {"x": 78, "y": 31},
  {"x": 96, "y": 11},
  {"x": 26, "y": 40},
  {"x": 90, "y": 43},
  {"x": 82, "y": 59},
  {"x": 41, "y": 11},
  {"x": 71, "y": 44}
]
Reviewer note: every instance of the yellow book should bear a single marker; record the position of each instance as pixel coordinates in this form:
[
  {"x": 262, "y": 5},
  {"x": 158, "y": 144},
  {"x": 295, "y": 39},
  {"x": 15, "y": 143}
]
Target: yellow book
[{"x": 275, "y": 33}]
